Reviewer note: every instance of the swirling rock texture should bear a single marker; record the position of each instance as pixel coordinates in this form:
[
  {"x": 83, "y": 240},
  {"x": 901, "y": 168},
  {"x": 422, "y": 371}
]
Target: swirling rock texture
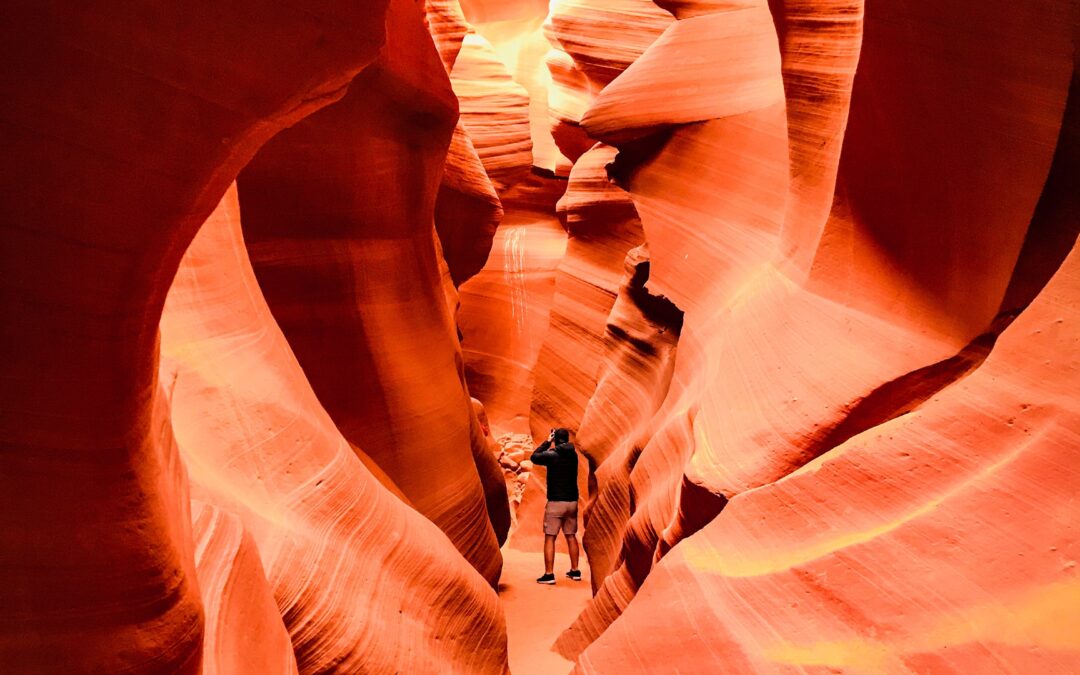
[
  {"x": 505, "y": 307},
  {"x": 244, "y": 632},
  {"x": 600, "y": 38},
  {"x": 338, "y": 214},
  {"x": 122, "y": 128},
  {"x": 258, "y": 444},
  {"x": 600, "y": 220},
  {"x": 467, "y": 208},
  {"x": 495, "y": 112},
  {"x": 801, "y": 275},
  {"x": 818, "y": 319}
]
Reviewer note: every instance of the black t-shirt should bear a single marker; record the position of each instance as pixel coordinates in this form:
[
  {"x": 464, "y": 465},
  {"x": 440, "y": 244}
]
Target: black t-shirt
[{"x": 561, "y": 463}]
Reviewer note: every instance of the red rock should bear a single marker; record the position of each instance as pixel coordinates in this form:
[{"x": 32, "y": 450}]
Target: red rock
[
  {"x": 122, "y": 130},
  {"x": 338, "y": 221},
  {"x": 494, "y": 111},
  {"x": 914, "y": 546},
  {"x": 803, "y": 329},
  {"x": 801, "y": 275},
  {"x": 467, "y": 209},
  {"x": 257, "y": 442},
  {"x": 592, "y": 42},
  {"x": 505, "y": 307},
  {"x": 244, "y": 632},
  {"x": 602, "y": 226}
]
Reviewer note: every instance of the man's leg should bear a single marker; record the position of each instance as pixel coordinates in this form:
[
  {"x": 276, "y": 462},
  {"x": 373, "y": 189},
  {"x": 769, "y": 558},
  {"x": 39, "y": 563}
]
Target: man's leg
[
  {"x": 549, "y": 552},
  {"x": 572, "y": 545}
]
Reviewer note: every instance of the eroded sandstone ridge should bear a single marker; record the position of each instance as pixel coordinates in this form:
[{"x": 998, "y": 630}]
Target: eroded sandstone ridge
[
  {"x": 815, "y": 488},
  {"x": 301, "y": 548},
  {"x": 801, "y": 275}
]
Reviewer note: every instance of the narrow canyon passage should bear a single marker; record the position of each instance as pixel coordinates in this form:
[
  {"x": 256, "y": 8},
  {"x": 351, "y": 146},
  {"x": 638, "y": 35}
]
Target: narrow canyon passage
[
  {"x": 536, "y": 614},
  {"x": 290, "y": 290}
]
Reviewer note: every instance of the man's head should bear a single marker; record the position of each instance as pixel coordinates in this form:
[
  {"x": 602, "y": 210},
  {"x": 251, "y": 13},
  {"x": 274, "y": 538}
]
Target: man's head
[{"x": 561, "y": 435}]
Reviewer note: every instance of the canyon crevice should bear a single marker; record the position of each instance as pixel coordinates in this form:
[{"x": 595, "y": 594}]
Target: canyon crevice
[{"x": 290, "y": 290}]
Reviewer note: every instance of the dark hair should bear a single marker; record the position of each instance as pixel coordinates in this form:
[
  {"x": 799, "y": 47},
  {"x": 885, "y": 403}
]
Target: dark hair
[{"x": 562, "y": 435}]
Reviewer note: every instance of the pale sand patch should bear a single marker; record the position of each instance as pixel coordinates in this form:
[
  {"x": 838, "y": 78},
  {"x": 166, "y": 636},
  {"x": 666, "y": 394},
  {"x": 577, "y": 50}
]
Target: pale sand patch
[{"x": 537, "y": 614}]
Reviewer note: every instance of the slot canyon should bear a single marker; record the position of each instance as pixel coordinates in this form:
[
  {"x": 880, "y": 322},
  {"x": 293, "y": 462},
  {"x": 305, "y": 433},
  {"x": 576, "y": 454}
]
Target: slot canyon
[{"x": 291, "y": 291}]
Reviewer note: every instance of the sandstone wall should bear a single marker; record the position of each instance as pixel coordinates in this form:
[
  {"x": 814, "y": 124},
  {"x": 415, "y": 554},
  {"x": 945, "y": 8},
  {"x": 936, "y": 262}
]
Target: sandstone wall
[{"x": 817, "y": 203}]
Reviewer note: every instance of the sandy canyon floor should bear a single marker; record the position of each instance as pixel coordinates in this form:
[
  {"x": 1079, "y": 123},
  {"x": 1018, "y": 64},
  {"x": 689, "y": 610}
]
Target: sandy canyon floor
[{"x": 536, "y": 614}]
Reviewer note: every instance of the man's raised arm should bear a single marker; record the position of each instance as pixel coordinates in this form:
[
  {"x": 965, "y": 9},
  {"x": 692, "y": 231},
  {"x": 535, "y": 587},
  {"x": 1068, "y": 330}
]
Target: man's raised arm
[{"x": 544, "y": 455}]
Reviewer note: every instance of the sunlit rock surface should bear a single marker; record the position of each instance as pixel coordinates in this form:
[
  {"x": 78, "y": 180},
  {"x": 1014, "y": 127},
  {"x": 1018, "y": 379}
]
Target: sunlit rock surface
[
  {"x": 942, "y": 540},
  {"x": 816, "y": 317},
  {"x": 122, "y": 128},
  {"x": 801, "y": 276},
  {"x": 324, "y": 516},
  {"x": 244, "y": 631},
  {"x": 338, "y": 215}
]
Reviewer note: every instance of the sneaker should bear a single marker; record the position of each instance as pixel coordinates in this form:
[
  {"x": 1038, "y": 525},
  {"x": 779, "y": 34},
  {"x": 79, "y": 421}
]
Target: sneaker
[
  {"x": 574, "y": 575},
  {"x": 548, "y": 579}
]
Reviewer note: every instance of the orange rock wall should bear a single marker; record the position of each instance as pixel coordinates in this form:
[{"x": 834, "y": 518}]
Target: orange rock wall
[
  {"x": 301, "y": 551},
  {"x": 323, "y": 514},
  {"x": 122, "y": 130},
  {"x": 831, "y": 284},
  {"x": 801, "y": 276},
  {"x": 338, "y": 217}
]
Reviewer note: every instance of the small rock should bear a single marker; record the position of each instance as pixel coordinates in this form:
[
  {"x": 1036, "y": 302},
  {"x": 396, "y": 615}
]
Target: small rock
[
  {"x": 526, "y": 465},
  {"x": 508, "y": 463},
  {"x": 517, "y": 455}
]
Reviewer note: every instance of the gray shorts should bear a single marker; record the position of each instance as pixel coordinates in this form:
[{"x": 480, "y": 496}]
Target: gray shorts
[{"x": 560, "y": 516}]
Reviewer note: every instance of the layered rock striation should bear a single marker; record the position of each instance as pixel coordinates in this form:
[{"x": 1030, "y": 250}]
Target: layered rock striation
[
  {"x": 327, "y": 520},
  {"x": 122, "y": 130},
  {"x": 338, "y": 219},
  {"x": 801, "y": 276},
  {"x": 831, "y": 286}
]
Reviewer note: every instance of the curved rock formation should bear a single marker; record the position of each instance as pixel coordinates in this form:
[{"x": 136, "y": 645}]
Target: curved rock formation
[
  {"x": 122, "y": 130},
  {"x": 495, "y": 112},
  {"x": 805, "y": 326},
  {"x": 602, "y": 226},
  {"x": 244, "y": 632},
  {"x": 505, "y": 307},
  {"x": 257, "y": 443},
  {"x": 802, "y": 275},
  {"x": 338, "y": 214},
  {"x": 593, "y": 41},
  {"x": 467, "y": 209},
  {"x": 916, "y": 546}
]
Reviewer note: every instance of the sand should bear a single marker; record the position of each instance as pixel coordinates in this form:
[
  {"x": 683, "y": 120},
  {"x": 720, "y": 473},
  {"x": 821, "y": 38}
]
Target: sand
[{"x": 537, "y": 614}]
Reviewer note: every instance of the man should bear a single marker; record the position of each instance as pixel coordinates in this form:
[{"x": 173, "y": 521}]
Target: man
[{"x": 562, "y": 494}]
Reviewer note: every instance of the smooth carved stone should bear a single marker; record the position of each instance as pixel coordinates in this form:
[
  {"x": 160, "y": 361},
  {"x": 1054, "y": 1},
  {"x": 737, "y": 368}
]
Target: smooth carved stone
[
  {"x": 122, "y": 128},
  {"x": 338, "y": 215},
  {"x": 593, "y": 41},
  {"x": 917, "y": 545},
  {"x": 364, "y": 583},
  {"x": 603, "y": 37},
  {"x": 814, "y": 318},
  {"x": 742, "y": 39},
  {"x": 603, "y": 226},
  {"x": 506, "y": 307},
  {"x": 826, "y": 406},
  {"x": 494, "y": 111},
  {"x": 569, "y": 96},
  {"x": 467, "y": 208},
  {"x": 244, "y": 631},
  {"x": 448, "y": 27}
]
